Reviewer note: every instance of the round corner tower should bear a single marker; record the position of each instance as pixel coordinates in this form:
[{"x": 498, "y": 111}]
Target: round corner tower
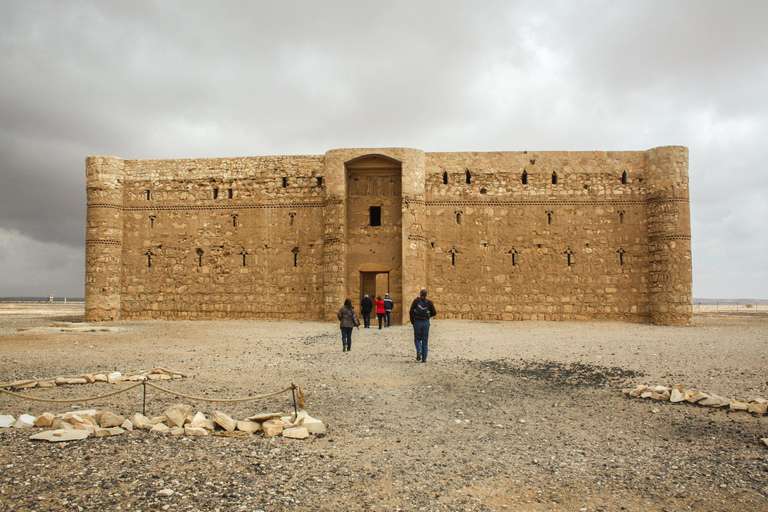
[
  {"x": 103, "y": 240},
  {"x": 669, "y": 235}
]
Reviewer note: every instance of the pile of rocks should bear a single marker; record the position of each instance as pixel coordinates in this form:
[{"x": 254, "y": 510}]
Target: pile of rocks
[
  {"x": 112, "y": 377},
  {"x": 177, "y": 420},
  {"x": 678, "y": 394}
]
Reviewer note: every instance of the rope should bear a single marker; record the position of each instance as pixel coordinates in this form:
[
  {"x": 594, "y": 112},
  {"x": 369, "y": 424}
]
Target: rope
[
  {"x": 299, "y": 395},
  {"x": 62, "y": 400},
  {"x": 202, "y": 399},
  {"x": 131, "y": 374}
]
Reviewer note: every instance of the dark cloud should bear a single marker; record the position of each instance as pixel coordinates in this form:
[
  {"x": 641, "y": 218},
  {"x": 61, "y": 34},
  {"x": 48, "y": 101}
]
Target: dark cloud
[{"x": 151, "y": 79}]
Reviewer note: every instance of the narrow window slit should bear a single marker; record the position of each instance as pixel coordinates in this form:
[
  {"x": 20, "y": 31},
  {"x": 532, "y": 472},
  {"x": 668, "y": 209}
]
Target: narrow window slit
[
  {"x": 295, "y": 252},
  {"x": 319, "y": 181},
  {"x": 524, "y": 177},
  {"x": 554, "y": 178},
  {"x": 230, "y": 193},
  {"x": 469, "y": 177},
  {"x": 148, "y": 194},
  {"x": 445, "y": 177},
  {"x": 199, "y": 257},
  {"x": 285, "y": 182},
  {"x": 152, "y": 221},
  {"x": 374, "y": 214},
  {"x": 624, "y": 178},
  {"x": 215, "y": 193}
]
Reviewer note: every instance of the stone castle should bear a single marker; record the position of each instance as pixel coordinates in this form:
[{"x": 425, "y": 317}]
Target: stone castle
[{"x": 492, "y": 236}]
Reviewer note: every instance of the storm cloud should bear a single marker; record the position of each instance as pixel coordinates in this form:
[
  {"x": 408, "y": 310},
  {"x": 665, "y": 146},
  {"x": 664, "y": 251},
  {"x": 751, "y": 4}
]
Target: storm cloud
[{"x": 172, "y": 79}]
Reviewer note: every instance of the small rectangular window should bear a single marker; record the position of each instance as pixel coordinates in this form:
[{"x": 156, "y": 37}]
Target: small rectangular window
[
  {"x": 375, "y": 216},
  {"x": 148, "y": 194},
  {"x": 230, "y": 193}
]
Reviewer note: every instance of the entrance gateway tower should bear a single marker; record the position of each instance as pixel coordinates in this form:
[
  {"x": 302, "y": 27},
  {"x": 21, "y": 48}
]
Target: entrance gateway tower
[{"x": 493, "y": 236}]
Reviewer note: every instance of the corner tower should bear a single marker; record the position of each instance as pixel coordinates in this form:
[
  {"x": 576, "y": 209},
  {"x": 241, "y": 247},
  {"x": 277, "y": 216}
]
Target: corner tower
[
  {"x": 669, "y": 235},
  {"x": 104, "y": 237}
]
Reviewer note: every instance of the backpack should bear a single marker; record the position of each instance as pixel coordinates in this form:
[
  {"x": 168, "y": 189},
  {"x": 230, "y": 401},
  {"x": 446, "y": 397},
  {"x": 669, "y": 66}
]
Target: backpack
[{"x": 421, "y": 311}]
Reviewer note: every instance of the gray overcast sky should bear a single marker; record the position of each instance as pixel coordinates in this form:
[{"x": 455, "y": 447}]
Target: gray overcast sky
[{"x": 177, "y": 79}]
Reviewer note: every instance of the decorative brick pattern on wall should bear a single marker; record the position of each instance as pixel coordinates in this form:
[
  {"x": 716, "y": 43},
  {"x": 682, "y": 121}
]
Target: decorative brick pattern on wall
[{"x": 493, "y": 236}]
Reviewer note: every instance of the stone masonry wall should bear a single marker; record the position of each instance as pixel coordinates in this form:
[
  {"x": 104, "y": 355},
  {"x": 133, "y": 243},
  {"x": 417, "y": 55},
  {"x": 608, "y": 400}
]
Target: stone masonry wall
[{"x": 493, "y": 236}]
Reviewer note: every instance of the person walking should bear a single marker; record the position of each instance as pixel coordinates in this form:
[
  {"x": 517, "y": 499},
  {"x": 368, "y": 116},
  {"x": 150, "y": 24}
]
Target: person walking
[
  {"x": 348, "y": 319},
  {"x": 366, "y": 305},
  {"x": 422, "y": 309},
  {"x": 389, "y": 304},
  {"x": 380, "y": 311}
]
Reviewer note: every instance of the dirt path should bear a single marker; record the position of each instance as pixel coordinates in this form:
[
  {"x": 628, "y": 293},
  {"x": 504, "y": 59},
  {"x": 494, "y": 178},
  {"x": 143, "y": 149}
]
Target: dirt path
[{"x": 517, "y": 416}]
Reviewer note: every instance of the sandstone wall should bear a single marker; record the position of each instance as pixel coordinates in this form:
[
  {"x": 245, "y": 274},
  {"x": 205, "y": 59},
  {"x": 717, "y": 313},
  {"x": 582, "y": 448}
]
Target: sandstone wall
[{"x": 493, "y": 236}]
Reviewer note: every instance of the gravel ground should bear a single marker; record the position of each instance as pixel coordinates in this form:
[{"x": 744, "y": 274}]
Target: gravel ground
[{"x": 515, "y": 416}]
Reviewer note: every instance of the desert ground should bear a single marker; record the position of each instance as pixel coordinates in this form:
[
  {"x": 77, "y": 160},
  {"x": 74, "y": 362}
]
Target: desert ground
[{"x": 504, "y": 416}]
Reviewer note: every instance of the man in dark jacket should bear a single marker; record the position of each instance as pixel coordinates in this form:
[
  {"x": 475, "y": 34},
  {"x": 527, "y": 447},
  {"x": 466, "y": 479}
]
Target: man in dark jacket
[
  {"x": 422, "y": 310},
  {"x": 389, "y": 304},
  {"x": 366, "y": 305}
]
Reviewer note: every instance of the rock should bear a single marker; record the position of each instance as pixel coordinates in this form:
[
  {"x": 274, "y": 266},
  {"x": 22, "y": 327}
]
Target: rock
[
  {"x": 137, "y": 378},
  {"x": 89, "y": 378},
  {"x": 676, "y": 396},
  {"x": 115, "y": 377},
  {"x": 106, "y": 432},
  {"x": 60, "y": 381},
  {"x": 195, "y": 431},
  {"x": 24, "y": 421},
  {"x": 272, "y": 428},
  {"x": 127, "y": 425},
  {"x": 759, "y": 400},
  {"x": 662, "y": 389},
  {"x": 158, "y": 419},
  {"x": 314, "y": 426},
  {"x": 639, "y": 390},
  {"x": 83, "y": 418},
  {"x": 177, "y": 415},
  {"x": 177, "y": 431},
  {"x": 165, "y": 492},
  {"x": 210, "y": 425},
  {"x": 224, "y": 421},
  {"x": 46, "y": 383},
  {"x": 6, "y": 420},
  {"x": 248, "y": 426},
  {"x": 261, "y": 418},
  {"x": 86, "y": 427},
  {"x": 100, "y": 377},
  {"x": 60, "y": 435},
  {"x": 23, "y": 384},
  {"x": 89, "y": 412},
  {"x": 757, "y": 408},
  {"x": 141, "y": 421},
  {"x": 110, "y": 419},
  {"x": 77, "y": 380},
  {"x": 198, "y": 420},
  {"x": 764, "y": 440},
  {"x": 739, "y": 406},
  {"x": 715, "y": 401},
  {"x": 296, "y": 433},
  {"x": 648, "y": 394},
  {"x": 695, "y": 396},
  {"x": 44, "y": 420},
  {"x": 160, "y": 428}
]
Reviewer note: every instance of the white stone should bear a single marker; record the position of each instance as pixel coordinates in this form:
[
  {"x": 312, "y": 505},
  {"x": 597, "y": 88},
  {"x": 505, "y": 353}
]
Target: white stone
[
  {"x": 314, "y": 426},
  {"x": 165, "y": 492},
  {"x": 110, "y": 431},
  {"x": 261, "y": 418},
  {"x": 60, "y": 435},
  {"x": 272, "y": 428},
  {"x": 25, "y": 421},
  {"x": 248, "y": 426},
  {"x": 127, "y": 425},
  {"x": 198, "y": 420},
  {"x": 160, "y": 428},
  {"x": 140, "y": 421},
  {"x": 195, "y": 431},
  {"x": 115, "y": 377},
  {"x": 100, "y": 377},
  {"x": 44, "y": 420},
  {"x": 676, "y": 396},
  {"x": 296, "y": 433},
  {"x": 110, "y": 419},
  {"x": 224, "y": 421},
  {"x": 6, "y": 420},
  {"x": 177, "y": 414}
]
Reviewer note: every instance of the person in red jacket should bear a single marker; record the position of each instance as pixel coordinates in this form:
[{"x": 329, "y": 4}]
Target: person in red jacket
[{"x": 380, "y": 311}]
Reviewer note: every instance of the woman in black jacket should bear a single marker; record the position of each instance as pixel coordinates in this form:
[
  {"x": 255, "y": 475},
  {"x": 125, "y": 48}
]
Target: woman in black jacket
[{"x": 348, "y": 319}]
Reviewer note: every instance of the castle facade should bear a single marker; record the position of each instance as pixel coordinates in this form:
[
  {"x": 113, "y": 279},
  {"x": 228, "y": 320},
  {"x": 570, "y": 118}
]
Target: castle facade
[{"x": 492, "y": 235}]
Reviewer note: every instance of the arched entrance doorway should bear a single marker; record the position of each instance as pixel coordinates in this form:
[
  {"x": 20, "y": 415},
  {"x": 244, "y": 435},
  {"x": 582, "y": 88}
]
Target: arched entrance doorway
[{"x": 374, "y": 229}]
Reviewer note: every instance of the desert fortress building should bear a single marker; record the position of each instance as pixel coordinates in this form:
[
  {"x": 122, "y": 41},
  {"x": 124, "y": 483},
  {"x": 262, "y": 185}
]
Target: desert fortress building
[{"x": 493, "y": 236}]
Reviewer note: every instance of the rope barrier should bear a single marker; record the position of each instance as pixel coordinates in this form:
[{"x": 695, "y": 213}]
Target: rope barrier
[
  {"x": 66, "y": 400},
  {"x": 299, "y": 395}
]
